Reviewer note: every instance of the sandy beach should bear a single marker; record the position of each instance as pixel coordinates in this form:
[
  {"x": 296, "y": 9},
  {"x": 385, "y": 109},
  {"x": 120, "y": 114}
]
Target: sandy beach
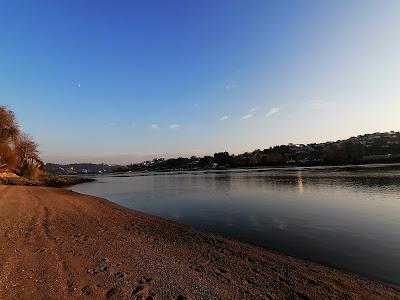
[{"x": 57, "y": 244}]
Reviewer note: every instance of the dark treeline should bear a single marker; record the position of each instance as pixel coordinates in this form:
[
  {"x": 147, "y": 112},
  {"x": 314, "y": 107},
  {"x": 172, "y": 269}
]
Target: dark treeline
[{"x": 369, "y": 148}]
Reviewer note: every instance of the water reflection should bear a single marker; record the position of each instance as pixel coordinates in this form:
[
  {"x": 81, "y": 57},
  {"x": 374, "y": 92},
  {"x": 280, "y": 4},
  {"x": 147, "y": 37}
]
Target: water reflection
[
  {"x": 299, "y": 184},
  {"x": 347, "y": 218}
]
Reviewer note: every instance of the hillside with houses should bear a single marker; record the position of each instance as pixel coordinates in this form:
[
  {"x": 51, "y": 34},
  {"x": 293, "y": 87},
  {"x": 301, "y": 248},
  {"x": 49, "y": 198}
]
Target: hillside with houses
[{"x": 363, "y": 149}]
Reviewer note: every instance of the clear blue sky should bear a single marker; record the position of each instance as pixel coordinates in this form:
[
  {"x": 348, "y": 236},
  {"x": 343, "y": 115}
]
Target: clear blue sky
[{"x": 121, "y": 81}]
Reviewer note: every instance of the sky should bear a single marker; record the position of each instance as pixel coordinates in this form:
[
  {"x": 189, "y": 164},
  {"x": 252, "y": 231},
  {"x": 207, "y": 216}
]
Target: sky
[{"x": 127, "y": 81}]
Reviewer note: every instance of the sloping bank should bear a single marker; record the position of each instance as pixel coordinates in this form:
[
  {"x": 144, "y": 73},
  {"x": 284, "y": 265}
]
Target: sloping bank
[
  {"x": 9, "y": 178},
  {"x": 57, "y": 244}
]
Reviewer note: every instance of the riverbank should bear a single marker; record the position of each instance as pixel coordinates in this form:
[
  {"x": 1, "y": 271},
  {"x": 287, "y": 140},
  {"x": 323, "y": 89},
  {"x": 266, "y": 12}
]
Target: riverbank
[
  {"x": 9, "y": 178},
  {"x": 57, "y": 244}
]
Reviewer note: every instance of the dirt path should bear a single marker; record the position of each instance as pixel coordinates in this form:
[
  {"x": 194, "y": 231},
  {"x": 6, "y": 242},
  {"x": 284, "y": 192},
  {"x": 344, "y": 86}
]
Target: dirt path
[{"x": 56, "y": 244}]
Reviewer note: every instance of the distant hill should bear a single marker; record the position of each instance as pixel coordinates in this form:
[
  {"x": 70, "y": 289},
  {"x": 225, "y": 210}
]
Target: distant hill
[
  {"x": 363, "y": 149},
  {"x": 368, "y": 148}
]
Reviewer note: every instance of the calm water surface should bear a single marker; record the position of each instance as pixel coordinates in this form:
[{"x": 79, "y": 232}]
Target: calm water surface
[{"x": 348, "y": 218}]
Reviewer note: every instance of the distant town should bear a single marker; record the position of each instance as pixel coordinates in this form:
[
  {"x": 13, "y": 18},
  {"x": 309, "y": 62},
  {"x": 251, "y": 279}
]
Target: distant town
[
  {"x": 362, "y": 149},
  {"x": 80, "y": 168}
]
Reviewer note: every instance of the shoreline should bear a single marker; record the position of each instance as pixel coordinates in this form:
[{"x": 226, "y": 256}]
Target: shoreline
[
  {"x": 260, "y": 169},
  {"x": 386, "y": 280},
  {"x": 361, "y": 164},
  {"x": 62, "y": 244},
  {"x": 59, "y": 181}
]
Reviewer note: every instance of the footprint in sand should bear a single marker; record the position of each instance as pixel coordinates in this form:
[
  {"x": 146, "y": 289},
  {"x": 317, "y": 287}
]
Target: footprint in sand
[
  {"x": 41, "y": 250},
  {"x": 142, "y": 291}
]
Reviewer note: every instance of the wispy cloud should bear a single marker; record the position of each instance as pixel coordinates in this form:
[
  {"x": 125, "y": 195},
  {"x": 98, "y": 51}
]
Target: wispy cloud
[
  {"x": 229, "y": 86},
  {"x": 155, "y": 126},
  {"x": 111, "y": 124},
  {"x": 272, "y": 111},
  {"x": 223, "y": 118},
  {"x": 174, "y": 126},
  {"x": 248, "y": 116},
  {"x": 79, "y": 85}
]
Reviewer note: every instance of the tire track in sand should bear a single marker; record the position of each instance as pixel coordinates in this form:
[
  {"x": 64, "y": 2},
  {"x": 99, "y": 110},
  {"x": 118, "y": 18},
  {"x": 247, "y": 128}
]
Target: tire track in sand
[
  {"x": 51, "y": 251},
  {"x": 17, "y": 226}
]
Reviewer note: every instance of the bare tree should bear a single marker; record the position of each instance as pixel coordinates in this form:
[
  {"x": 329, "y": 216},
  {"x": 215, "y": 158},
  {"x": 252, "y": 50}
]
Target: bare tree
[
  {"x": 8, "y": 159},
  {"x": 18, "y": 151},
  {"x": 9, "y": 134},
  {"x": 26, "y": 148}
]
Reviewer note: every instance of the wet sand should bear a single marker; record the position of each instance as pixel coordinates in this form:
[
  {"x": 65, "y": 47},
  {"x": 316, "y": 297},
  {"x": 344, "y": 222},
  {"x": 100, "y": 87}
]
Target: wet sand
[{"x": 57, "y": 244}]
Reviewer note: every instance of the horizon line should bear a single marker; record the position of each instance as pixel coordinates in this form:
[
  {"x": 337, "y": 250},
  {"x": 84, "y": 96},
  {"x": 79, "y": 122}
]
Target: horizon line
[{"x": 172, "y": 155}]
